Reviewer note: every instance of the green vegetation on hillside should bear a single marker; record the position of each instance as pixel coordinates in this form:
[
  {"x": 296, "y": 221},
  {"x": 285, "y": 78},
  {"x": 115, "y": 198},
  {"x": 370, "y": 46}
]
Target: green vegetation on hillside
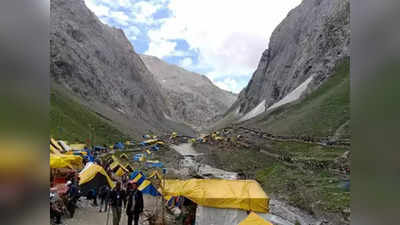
[
  {"x": 304, "y": 174},
  {"x": 319, "y": 114},
  {"x": 74, "y": 122}
]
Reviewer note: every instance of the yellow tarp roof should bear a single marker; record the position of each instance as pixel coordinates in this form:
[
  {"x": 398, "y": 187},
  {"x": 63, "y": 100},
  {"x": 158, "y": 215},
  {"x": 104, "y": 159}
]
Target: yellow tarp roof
[
  {"x": 254, "y": 219},
  {"x": 54, "y": 150},
  {"x": 90, "y": 172},
  {"x": 55, "y": 144},
  {"x": 120, "y": 172},
  {"x": 114, "y": 164},
  {"x": 65, "y": 161},
  {"x": 57, "y": 162},
  {"x": 235, "y": 194},
  {"x": 151, "y": 141}
]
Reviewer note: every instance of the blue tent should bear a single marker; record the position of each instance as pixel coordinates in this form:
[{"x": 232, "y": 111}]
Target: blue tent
[
  {"x": 144, "y": 185},
  {"x": 137, "y": 157},
  {"x": 154, "y": 164},
  {"x": 119, "y": 145},
  {"x": 155, "y": 148}
]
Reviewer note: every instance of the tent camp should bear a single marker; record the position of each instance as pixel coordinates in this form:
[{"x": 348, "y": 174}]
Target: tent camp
[
  {"x": 222, "y": 202},
  {"x": 93, "y": 176}
]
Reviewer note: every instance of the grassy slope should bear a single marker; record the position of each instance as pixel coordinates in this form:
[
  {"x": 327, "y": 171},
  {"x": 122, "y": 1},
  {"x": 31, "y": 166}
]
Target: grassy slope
[
  {"x": 71, "y": 121},
  {"x": 320, "y": 114},
  {"x": 313, "y": 189}
]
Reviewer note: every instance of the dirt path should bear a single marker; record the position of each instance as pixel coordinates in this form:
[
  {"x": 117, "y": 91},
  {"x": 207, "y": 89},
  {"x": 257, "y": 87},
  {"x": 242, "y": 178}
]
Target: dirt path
[{"x": 87, "y": 214}]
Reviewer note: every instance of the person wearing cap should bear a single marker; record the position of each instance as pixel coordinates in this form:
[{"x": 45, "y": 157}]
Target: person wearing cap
[
  {"x": 117, "y": 196},
  {"x": 135, "y": 204}
]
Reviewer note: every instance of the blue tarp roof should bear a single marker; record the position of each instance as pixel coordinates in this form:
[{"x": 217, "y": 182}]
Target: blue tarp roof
[{"x": 119, "y": 145}]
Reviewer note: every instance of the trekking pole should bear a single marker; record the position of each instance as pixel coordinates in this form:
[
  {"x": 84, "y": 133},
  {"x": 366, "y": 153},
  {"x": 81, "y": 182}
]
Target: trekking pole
[{"x": 108, "y": 213}]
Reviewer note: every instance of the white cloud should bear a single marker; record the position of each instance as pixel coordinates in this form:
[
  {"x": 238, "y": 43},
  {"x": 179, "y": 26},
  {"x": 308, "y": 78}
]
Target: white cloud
[
  {"x": 144, "y": 11},
  {"x": 161, "y": 48},
  {"x": 186, "y": 62},
  {"x": 120, "y": 17},
  {"x": 228, "y": 84},
  {"x": 98, "y": 9},
  {"x": 229, "y": 36}
]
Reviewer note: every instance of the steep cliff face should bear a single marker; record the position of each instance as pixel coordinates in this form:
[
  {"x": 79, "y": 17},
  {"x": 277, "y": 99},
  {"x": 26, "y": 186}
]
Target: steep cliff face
[
  {"x": 97, "y": 64},
  {"x": 191, "y": 98},
  {"x": 303, "y": 49}
]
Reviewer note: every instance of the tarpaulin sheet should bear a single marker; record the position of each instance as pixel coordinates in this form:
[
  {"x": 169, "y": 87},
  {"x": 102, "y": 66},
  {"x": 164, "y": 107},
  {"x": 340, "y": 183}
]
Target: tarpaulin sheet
[
  {"x": 55, "y": 144},
  {"x": 254, "y": 219},
  {"x": 56, "y": 162},
  {"x": 89, "y": 172},
  {"x": 54, "y": 150},
  {"x": 120, "y": 172},
  {"x": 234, "y": 194},
  {"x": 64, "y": 161}
]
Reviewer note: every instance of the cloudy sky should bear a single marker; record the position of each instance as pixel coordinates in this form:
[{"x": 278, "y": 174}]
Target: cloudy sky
[{"x": 223, "y": 39}]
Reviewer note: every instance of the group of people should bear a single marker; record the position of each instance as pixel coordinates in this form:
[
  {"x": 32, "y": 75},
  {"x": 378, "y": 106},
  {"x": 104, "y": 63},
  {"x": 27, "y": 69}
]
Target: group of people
[
  {"x": 60, "y": 205},
  {"x": 130, "y": 199}
]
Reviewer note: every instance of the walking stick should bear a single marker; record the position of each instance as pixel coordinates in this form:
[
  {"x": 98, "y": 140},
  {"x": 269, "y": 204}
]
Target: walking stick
[{"x": 108, "y": 213}]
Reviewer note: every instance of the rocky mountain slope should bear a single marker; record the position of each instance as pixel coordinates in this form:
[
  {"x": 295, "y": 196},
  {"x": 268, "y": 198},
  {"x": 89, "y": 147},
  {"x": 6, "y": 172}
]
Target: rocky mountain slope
[
  {"x": 191, "y": 97},
  {"x": 302, "y": 54},
  {"x": 98, "y": 65}
]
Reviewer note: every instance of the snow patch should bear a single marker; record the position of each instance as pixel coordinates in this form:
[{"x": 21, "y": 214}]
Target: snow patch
[
  {"x": 293, "y": 95},
  {"x": 260, "y": 108}
]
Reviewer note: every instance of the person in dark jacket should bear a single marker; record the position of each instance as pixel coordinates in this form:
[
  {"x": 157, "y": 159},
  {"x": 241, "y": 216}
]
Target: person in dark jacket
[
  {"x": 104, "y": 194},
  {"x": 117, "y": 196},
  {"x": 135, "y": 204},
  {"x": 73, "y": 196}
]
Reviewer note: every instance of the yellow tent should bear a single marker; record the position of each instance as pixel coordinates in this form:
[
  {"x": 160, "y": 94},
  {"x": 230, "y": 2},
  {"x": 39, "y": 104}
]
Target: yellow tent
[
  {"x": 160, "y": 143},
  {"x": 56, "y": 162},
  {"x": 87, "y": 176},
  {"x": 114, "y": 165},
  {"x": 254, "y": 219},
  {"x": 54, "y": 150},
  {"x": 65, "y": 161},
  {"x": 155, "y": 174},
  {"x": 124, "y": 156},
  {"x": 55, "y": 144},
  {"x": 120, "y": 172},
  {"x": 151, "y": 141},
  {"x": 234, "y": 194}
]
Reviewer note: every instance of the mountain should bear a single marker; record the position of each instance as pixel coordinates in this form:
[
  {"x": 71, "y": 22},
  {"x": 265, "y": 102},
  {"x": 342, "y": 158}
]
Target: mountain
[
  {"x": 96, "y": 64},
  {"x": 191, "y": 97},
  {"x": 304, "y": 52}
]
